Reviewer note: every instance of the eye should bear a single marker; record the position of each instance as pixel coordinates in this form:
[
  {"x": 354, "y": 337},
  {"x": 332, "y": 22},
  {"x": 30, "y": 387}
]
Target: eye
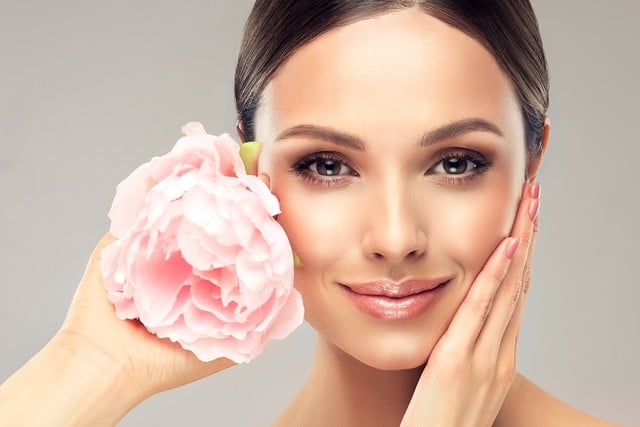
[
  {"x": 324, "y": 168},
  {"x": 460, "y": 166},
  {"x": 455, "y": 165},
  {"x": 329, "y": 167}
]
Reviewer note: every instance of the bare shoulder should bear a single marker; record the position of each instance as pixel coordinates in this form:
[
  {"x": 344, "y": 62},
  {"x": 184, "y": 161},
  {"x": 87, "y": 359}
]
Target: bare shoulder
[{"x": 528, "y": 405}]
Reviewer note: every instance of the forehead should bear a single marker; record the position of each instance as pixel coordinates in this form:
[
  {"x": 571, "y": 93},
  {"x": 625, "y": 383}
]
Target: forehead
[{"x": 379, "y": 75}]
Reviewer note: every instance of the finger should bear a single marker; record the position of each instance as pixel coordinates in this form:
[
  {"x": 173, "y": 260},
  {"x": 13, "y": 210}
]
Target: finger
[
  {"x": 93, "y": 267},
  {"x": 510, "y": 338},
  {"x": 507, "y": 359},
  {"x": 90, "y": 294},
  {"x": 468, "y": 321},
  {"x": 508, "y": 293}
]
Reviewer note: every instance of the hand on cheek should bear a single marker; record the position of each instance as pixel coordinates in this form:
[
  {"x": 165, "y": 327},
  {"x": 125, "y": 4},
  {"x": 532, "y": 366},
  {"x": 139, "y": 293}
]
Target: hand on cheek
[{"x": 472, "y": 366}]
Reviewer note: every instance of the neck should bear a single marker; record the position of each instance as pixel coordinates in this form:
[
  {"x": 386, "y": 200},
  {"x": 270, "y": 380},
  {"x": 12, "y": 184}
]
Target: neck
[{"x": 343, "y": 391}]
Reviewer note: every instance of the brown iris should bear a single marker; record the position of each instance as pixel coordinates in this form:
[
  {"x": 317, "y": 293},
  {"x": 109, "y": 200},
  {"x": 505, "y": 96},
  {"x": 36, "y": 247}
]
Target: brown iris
[
  {"x": 455, "y": 165},
  {"x": 328, "y": 167}
]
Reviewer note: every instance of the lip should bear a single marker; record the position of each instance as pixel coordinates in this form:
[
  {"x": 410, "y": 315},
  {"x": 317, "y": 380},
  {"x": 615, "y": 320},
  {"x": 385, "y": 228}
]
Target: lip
[{"x": 390, "y": 300}]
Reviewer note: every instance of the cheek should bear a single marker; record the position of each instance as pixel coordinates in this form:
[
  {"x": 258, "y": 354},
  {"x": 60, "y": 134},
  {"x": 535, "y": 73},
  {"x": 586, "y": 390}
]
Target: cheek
[
  {"x": 470, "y": 226},
  {"x": 319, "y": 226}
]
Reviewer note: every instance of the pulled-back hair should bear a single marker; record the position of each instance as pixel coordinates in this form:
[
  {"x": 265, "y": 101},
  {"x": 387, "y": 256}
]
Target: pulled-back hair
[{"x": 506, "y": 28}]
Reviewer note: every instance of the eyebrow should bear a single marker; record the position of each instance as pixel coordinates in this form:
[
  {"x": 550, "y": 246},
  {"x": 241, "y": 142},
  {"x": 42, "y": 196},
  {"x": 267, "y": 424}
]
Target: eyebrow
[
  {"x": 323, "y": 133},
  {"x": 450, "y": 130},
  {"x": 458, "y": 128}
]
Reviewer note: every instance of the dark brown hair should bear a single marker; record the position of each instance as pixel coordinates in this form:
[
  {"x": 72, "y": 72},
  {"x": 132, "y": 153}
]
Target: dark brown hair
[{"x": 506, "y": 28}]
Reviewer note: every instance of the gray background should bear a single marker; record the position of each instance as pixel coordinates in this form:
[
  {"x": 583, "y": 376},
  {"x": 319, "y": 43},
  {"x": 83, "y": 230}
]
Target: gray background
[{"x": 89, "y": 90}]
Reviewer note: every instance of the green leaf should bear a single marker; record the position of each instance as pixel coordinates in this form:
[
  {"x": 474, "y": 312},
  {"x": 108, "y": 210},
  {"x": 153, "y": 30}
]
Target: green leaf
[
  {"x": 296, "y": 260},
  {"x": 249, "y": 153}
]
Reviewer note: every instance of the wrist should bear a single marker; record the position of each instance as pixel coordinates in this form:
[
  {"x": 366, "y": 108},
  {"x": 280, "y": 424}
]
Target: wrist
[
  {"x": 69, "y": 383},
  {"x": 101, "y": 385}
]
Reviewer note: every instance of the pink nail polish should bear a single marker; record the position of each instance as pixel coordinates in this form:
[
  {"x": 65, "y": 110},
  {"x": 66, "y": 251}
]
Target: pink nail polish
[
  {"x": 512, "y": 247},
  {"x": 533, "y": 208},
  {"x": 534, "y": 192}
]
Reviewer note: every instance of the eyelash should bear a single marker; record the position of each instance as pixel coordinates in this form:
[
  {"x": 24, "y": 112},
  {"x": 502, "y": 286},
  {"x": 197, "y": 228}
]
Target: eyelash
[
  {"x": 302, "y": 168},
  {"x": 482, "y": 164}
]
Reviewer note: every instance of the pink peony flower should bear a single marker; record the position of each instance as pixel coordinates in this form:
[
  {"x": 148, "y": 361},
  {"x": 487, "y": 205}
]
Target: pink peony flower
[{"x": 199, "y": 257}]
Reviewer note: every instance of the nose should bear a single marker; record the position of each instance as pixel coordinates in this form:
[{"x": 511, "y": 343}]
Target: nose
[{"x": 395, "y": 226}]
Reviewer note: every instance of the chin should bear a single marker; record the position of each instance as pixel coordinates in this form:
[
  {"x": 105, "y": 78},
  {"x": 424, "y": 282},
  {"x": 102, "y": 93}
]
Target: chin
[
  {"x": 394, "y": 362},
  {"x": 393, "y": 353}
]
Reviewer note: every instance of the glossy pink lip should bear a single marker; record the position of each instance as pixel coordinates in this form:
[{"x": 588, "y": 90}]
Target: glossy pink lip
[{"x": 396, "y": 300}]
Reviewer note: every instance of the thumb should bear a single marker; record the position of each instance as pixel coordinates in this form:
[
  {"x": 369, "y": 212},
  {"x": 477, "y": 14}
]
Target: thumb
[{"x": 93, "y": 267}]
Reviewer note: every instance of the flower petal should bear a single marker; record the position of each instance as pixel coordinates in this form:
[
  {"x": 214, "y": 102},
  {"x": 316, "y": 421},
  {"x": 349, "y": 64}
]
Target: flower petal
[
  {"x": 157, "y": 284},
  {"x": 199, "y": 257},
  {"x": 129, "y": 200},
  {"x": 193, "y": 129}
]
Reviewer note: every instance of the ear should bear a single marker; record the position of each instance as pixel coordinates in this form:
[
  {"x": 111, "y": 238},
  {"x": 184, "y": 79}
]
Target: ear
[
  {"x": 240, "y": 130},
  {"x": 533, "y": 165},
  {"x": 264, "y": 177}
]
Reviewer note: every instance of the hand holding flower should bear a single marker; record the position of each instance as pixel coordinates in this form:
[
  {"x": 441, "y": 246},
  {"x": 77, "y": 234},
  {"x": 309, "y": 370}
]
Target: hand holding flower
[
  {"x": 197, "y": 198},
  {"x": 194, "y": 255},
  {"x": 200, "y": 259}
]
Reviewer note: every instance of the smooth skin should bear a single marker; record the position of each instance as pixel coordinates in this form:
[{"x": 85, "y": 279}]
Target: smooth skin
[
  {"x": 363, "y": 200},
  {"x": 372, "y": 373}
]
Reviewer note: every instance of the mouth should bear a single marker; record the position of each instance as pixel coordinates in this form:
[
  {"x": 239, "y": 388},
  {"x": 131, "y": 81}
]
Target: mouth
[{"x": 396, "y": 301}]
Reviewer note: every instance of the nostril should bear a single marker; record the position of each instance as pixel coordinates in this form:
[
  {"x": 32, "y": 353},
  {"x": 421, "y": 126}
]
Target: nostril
[{"x": 415, "y": 254}]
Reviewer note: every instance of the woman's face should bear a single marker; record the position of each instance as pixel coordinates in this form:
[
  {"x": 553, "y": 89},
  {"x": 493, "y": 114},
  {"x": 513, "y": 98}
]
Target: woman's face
[{"x": 396, "y": 147}]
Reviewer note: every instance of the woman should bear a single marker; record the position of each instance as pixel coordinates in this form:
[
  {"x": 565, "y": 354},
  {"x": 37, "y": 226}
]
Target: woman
[{"x": 403, "y": 141}]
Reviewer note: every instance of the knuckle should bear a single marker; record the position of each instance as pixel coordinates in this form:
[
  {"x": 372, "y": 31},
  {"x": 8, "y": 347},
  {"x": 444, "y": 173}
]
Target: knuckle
[
  {"x": 528, "y": 242},
  {"x": 458, "y": 367},
  {"x": 445, "y": 348},
  {"x": 498, "y": 275},
  {"x": 517, "y": 293},
  {"x": 526, "y": 279},
  {"x": 448, "y": 348},
  {"x": 451, "y": 363},
  {"x": 506, "y": 373},
  {"x": 536, "y": 225},
  {"x": 528, "y": 271},
  {"x": 481, "y": 306},
  {"x": 485, "y": 368}
]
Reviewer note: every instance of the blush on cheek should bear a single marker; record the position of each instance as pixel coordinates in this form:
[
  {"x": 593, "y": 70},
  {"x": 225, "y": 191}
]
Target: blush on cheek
[
  {"x": 471, "y": 232},
  {"x": 316, "y": 231},
  {"x": 318, "y": 226}
]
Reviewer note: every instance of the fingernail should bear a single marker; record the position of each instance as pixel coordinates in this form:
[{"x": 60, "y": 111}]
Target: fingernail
[
  {"x": 533, "y": 208},
  {"x": 512, "y": 247},
  {"x": 534, "y": 192}
]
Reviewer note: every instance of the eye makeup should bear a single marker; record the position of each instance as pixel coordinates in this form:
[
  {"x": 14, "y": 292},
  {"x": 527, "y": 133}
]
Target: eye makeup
[
  {"x": 324, "y": 168},
  {"x": 470, "y": 166},
  {"x": 453, "y": 166}
]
